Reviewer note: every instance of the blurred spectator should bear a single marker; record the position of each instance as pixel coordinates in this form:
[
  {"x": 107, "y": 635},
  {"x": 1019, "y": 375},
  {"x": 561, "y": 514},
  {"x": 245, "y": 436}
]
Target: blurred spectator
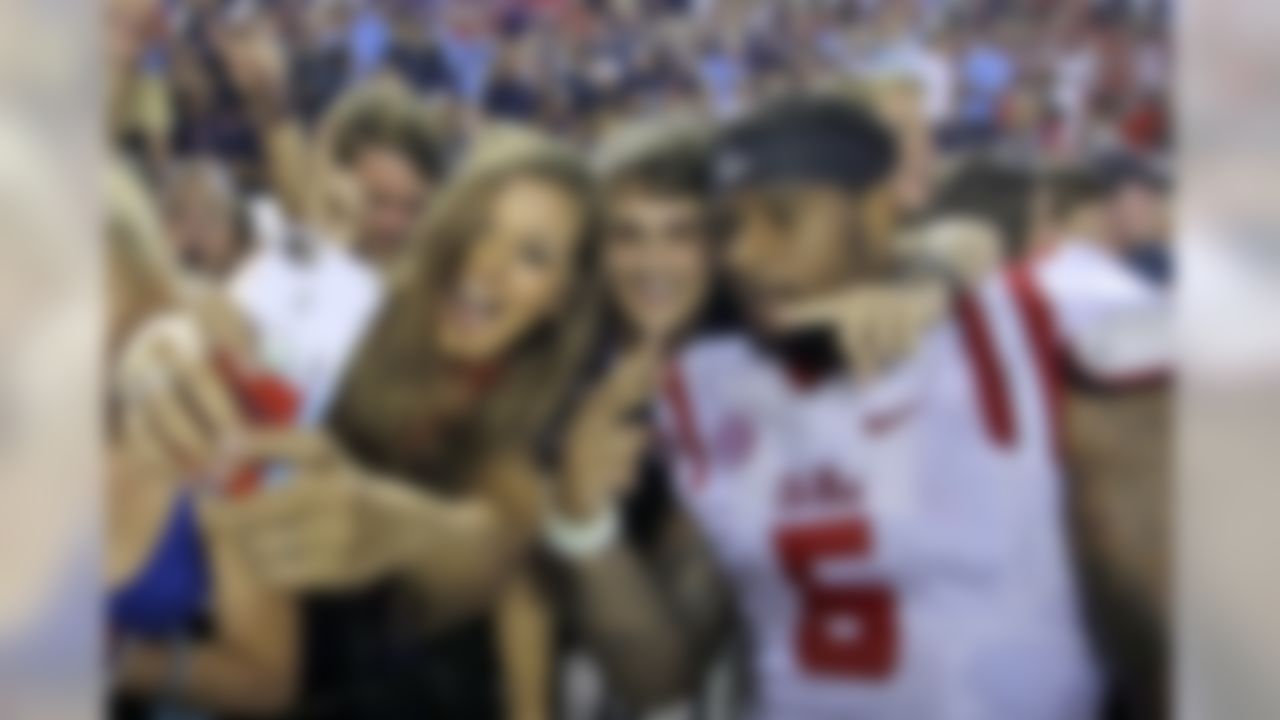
[
  {"x": 322, "y": 63},
  {"x": 1073, "y": 79},
  {"x": 1138, "y": 215},
  {"x": 387, "y": 159},
  {"x": 209, "y": 112},
  {"x": 997, "y": 194},
  {"x": 1071, "y": 204},
  {"x": 469, "y": 45},
  {"x": 987, "y": 72},
  {"x": 204, "y": 219},
  {"x": 414, "y": 54},
  {"x": 722, "y": 75},
  {"x": 1139, "y": 202},
  {"x": 511, "y": 94},
  {"x": 367, "y": 38}
]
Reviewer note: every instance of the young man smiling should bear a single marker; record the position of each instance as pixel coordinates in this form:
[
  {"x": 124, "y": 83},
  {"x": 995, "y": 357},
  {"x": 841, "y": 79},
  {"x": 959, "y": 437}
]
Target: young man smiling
[{"x": 894, "y": 544}]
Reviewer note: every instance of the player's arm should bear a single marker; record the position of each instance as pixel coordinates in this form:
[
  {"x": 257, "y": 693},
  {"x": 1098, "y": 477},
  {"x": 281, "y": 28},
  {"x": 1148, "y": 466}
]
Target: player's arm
[
  {"x": 1118, "y": 454},
  {"x": 877, "y": 324}
]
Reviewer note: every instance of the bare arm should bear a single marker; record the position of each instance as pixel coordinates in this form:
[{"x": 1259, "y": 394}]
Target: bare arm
[
  {"x": 288, "y": 160},
  {"x": 462, "y": 554},
  {"x": 254, "y": 57},
  {"x": 526, "y": 648},
  {"x": 250, "y": 667},
  {"x": 653, "y": 626},
  {"x": 1120, "y": 466}
]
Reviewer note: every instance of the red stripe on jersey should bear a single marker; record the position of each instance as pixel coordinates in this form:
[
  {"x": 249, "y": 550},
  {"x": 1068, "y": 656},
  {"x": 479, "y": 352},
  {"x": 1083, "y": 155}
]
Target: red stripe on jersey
[
  {"x": 686, "y": 428},
  {"x": 1040, "y": 328},
  {"x": 997, "y": 411}
]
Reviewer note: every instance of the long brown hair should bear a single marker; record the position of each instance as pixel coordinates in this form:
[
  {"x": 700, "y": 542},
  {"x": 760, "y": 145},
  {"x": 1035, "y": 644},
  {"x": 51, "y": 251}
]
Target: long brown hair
[{"x": 386, "y": 407}]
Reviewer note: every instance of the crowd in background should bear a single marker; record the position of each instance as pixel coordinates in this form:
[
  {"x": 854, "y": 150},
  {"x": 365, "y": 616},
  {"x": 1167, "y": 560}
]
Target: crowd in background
[
  {"x": 1032, "y": 85},
  {"x": 250, "y": 122},
  {"x": 1045, "y": 80}
]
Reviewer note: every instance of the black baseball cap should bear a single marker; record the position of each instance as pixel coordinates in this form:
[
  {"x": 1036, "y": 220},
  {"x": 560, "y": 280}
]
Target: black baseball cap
[{"x": 807, "y": 138}]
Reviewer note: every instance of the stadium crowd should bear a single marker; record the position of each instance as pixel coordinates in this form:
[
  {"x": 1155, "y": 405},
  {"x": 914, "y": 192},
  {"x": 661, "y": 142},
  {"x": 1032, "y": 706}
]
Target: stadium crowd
[{"x": 297, "y": 184}]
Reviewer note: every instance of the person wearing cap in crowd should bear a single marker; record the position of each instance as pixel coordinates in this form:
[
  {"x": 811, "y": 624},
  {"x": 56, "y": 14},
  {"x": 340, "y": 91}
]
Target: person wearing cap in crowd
[{"x": 891, "y": 537}]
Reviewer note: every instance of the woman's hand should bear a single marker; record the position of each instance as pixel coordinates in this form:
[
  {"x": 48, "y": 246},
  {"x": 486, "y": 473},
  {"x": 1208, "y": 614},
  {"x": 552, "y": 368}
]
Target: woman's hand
[
  {"x": 179, "y": 415},
  {"x": 875, "y": 325},
  {"x": 607, "y": 437},
  {"x": 331, "y": 525}
]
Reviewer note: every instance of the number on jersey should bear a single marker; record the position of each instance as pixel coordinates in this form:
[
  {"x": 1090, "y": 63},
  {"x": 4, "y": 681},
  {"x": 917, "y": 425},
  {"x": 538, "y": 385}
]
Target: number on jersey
[{"x": 847, "y": 630}]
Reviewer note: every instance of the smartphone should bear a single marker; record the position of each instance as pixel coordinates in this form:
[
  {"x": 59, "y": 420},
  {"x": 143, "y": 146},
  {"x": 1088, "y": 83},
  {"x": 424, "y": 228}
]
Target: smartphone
[{"x": 268, "y": 400}]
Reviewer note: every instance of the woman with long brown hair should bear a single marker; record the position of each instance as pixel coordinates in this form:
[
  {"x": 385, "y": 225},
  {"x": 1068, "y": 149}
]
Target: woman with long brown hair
[{"x": 410, "y": 517}]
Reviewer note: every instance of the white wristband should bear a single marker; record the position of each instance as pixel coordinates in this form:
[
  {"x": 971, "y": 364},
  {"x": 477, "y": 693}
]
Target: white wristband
[{"x": 581, "y": 540}]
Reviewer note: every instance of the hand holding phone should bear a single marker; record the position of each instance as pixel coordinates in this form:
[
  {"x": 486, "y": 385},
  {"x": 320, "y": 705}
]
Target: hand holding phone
[
  {"x": 269, "y": 401},
  {"x": 188, "y": 403}
]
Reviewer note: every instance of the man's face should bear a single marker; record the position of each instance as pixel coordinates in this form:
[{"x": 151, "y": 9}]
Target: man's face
[
  {"x": 1139, "y": 215},
  {"x": 201, "y": 222},
  {"x": 657, "y": 258},
  {"x": 393, "y": 193},
  {"x": 789, "y": 244}
]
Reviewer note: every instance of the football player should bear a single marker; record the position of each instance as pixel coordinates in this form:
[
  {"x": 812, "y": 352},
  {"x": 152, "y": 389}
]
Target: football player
[{"x": 893, "y": 544}]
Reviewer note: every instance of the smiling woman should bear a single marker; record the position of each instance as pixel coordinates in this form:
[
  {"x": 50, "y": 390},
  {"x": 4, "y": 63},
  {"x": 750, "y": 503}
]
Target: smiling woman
[
  {"x": 491, "y": 311},
  {"x": 413, "y": 519},
  {"x": 494, "y": 293}
]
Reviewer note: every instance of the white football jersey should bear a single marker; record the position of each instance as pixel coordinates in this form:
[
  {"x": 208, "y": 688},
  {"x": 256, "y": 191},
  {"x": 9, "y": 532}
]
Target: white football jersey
[
  {"x": 1113, "y": 326},
  {"x": 898, "y": 550}
]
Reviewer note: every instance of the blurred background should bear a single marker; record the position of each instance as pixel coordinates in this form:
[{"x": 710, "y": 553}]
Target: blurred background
[{"x": 1035, "y": 83}]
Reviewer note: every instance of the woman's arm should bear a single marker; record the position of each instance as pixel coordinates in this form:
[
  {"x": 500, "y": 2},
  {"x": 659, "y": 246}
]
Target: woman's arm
[
  {"x": 259, "y": 69},
  {"x": 250, "y": 666},
  {"x": 526, "y": 648},
  {"x": 335, "y": 525},
  {"x": 653, "y": 626},
  {"x": 467, "y": 551}
]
